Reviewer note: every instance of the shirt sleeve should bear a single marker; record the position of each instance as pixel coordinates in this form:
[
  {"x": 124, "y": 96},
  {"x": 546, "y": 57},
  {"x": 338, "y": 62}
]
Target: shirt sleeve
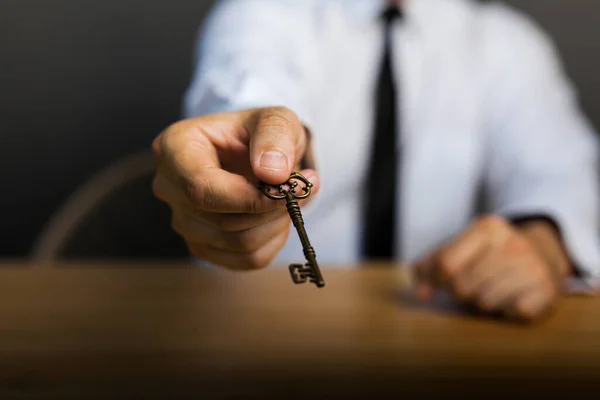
[
  {"x": 542, "y": 153},
  {"x": 251, "y": 54}
]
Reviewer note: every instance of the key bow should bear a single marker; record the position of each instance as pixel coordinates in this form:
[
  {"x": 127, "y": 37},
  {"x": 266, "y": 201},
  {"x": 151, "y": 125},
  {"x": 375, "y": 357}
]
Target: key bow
[{"x": 292, "y": 184}]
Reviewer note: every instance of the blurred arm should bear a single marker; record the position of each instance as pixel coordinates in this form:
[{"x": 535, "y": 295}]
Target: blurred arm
[
  {"x": 252, "y": 54},
  {"x": 541, "y": 151}
]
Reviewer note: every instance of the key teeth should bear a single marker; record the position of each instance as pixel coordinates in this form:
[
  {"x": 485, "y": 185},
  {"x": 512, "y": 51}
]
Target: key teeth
[
  {"x": 301, "y": 273},
  {"x": 296, "y": 274}
]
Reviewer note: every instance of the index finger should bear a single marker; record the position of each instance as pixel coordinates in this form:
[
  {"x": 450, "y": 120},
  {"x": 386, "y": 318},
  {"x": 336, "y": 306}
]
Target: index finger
[
  {"x": 219, "y": 191},
  {"x": 187, "y": 158}
]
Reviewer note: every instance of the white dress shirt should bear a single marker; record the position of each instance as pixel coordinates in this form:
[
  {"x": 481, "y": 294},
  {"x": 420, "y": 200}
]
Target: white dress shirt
[{"x": 485, "y": 107}]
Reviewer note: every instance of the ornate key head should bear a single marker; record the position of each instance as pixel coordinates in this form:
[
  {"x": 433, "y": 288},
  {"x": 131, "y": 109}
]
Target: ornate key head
[
  {"x": 288, "y": 191},
  {"x": 289, "y": 186}
]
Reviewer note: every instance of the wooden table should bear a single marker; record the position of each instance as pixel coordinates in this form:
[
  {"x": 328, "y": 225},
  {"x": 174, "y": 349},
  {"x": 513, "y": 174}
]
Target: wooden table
[{"x": 174, "y": 330}]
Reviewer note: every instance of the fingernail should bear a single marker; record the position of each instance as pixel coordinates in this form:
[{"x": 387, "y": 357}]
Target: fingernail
[{"x": 273, "y": 161}]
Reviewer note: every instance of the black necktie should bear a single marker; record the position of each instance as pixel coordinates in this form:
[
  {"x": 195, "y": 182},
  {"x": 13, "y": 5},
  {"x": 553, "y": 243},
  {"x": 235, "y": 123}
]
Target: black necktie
[{"x": 380, "y": 211}]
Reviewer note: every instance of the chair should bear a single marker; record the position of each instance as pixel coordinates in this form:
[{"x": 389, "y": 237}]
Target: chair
[{"x": 114, "y": 215}]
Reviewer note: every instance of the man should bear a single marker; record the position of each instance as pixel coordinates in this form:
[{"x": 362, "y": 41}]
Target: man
[{"x": 401, "y": 119}]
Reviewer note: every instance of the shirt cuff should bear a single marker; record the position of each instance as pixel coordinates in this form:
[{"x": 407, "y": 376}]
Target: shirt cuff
[{"x": 581, "y": 287}]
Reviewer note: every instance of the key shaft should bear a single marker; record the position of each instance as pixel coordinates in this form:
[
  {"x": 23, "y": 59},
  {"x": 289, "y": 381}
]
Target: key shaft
[{"x": 309, "y": 252}]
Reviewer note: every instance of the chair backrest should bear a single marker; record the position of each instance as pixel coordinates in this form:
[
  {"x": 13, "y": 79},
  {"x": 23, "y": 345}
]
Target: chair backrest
[
  {"x": 83, "y": 83},
  {"x": 113, "y": 215}
]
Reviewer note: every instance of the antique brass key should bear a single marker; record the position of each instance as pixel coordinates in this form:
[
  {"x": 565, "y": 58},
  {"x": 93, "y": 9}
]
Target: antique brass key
[{"x": 287, "y": 190}]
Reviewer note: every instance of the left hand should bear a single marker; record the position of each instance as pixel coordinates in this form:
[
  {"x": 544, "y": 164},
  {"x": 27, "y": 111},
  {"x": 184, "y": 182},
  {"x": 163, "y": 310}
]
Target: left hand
[{"x": 496, "y": 267}]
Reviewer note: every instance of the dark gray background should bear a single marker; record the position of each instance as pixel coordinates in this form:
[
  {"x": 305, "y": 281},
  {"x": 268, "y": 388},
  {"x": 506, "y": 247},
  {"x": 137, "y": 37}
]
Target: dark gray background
[{"x": 84, "y": 82}]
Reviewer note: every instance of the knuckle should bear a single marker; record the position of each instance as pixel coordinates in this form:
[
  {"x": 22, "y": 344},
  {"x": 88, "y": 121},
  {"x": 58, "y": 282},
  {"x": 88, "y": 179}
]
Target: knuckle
[
  {"x": 525, "y": 310},
  {"x": 253, "y": 205},
  {"x": 516, "y": 245},
  {"x": 537, "y": 271},
  {"x": 448, "y": 265},
  {"x": 162, "y": 141},
  {"x": 491, "y": 223},
  {"x": 157, "y": 189},
  {"x": 202, "y": 194},
  {"x": 276, "y": 117},
  {"x": 207, "y": 196},
  {"x": 281, "y": 110},
  {"x": 540, "y": 271},
  {"x": 484, "y": 303},
  {"x": 165, "y": 142},
  {"x": 157, "y": 148},
  {"x": 461, "y": 288},
  {"x": 190, "y": 190}
]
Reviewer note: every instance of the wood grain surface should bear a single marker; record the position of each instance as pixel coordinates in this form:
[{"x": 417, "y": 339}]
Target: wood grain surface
[{"x": 109, "y": 330}]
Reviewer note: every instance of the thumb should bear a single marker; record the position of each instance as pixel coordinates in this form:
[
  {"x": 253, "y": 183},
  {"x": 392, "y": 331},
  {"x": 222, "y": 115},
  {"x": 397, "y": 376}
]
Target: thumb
[{"x": 277, "y": 142}]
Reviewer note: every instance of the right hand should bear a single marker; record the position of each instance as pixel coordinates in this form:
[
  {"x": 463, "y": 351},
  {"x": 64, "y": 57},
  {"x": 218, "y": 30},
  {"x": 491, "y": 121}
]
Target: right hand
[{"x": 207, "y": 171}]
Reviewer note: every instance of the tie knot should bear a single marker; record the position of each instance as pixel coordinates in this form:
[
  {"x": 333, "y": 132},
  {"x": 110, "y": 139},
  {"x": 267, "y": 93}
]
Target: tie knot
[{"x": 391, "y": 14}]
